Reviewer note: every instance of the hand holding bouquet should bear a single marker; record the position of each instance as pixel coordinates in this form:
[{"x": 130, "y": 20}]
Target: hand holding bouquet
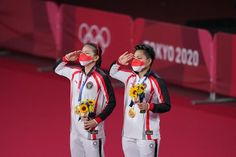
[
  {"x": 137, "y": 94},
  {"x": 86, "y": 109}
]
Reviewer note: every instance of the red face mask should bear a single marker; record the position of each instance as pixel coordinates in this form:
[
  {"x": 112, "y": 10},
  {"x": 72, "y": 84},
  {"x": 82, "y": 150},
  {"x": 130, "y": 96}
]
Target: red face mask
[
  {"x": 137, "y": 65},
  {"x": 85, "y": 59}
]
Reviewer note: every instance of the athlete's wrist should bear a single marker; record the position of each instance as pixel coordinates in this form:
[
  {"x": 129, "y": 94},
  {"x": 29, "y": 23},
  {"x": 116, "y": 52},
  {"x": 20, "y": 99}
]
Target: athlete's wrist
[
  {"x": 119, "y": 63},
  {"x": 97, "y": 120},
  {"x": 65, "y": 59},
  {"x": 150, "y": 106}
]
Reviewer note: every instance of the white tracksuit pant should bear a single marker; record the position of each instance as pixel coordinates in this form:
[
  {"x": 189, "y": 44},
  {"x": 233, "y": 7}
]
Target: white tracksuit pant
[
  {"x": 82, "y": 147},
  {"x": 140, "y": 148}
]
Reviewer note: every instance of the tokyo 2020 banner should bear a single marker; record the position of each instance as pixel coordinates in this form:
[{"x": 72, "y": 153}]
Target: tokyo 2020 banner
[
  {"x": 111, "y": 31},
  {"x": 183, "y": 54}
]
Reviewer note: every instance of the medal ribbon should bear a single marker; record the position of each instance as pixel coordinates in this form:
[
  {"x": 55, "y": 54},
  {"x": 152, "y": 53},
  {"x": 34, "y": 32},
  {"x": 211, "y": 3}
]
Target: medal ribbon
[
  {"x": 81, "y": 89},
  {"x": 83, "y": 84}
]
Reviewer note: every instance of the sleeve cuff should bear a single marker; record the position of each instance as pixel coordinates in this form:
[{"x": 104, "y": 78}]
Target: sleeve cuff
[
  {"x": 64, "y": 59},
  {"x": 118, "y": 63},
  {"x": 98, "y": 120},
  {"x": 151, "y": 106}
]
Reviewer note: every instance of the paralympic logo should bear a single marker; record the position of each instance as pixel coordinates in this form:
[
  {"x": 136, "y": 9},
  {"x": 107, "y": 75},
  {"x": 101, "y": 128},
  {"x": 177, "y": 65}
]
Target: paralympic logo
[{"x": 93, "y": 33}]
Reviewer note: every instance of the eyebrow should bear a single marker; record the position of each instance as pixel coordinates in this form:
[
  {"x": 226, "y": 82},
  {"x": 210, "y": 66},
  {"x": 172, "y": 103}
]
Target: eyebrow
[{"x": 87, "y": 51}]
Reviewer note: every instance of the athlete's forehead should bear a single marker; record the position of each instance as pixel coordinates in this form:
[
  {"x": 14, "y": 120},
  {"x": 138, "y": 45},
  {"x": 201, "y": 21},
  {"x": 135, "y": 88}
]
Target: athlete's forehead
[
  {"x": 139, "y": 54},
  {"x": 87, "y": 49}
]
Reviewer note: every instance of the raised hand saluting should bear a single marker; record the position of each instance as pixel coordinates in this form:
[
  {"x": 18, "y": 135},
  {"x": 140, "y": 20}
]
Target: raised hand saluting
[
  {"x": 125, "y": 58},
  {"x": 73, "y": 56}
]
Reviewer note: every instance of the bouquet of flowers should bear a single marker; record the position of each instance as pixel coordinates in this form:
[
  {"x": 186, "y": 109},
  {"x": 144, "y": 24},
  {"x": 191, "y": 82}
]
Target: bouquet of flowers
[
  {"x": 137, "y": 94},
  {"x": 86, "y": 109}
]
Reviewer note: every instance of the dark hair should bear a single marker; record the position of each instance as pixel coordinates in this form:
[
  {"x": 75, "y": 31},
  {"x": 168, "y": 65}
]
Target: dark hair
[
  {"x": 97, "y": 51},
  {"x": 148, "y": 51}
]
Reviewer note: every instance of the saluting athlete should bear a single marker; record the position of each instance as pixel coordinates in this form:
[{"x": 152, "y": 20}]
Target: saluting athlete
[
  {"x": 146, "y": 96},
  {"x": 92, "y": 100}
]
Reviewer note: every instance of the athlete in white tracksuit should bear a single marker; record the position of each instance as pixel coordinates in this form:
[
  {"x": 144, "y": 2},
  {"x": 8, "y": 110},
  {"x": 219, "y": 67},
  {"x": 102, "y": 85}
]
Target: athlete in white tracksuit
[
  {"x": 89, "y": 82},
  {"x": 141, "y": 131}
]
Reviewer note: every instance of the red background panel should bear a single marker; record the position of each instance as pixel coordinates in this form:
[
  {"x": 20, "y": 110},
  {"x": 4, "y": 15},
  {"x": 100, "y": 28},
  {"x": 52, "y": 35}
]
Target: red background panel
[
  {"x": 183, "y": 54},
  {"x": 225, "y": 70},
  {"x": 25, "y": 27},
  {"x": 111, "y": 31}
]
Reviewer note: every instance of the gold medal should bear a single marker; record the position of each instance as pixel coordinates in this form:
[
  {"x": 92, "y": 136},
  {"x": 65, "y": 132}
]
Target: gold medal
[
  {"x": 131, "y": 113},
  {"x": 77, "y": 109}
]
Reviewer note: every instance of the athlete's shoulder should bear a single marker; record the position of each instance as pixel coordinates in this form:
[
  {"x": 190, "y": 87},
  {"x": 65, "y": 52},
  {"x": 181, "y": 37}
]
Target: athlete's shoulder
[
  {"x": 156, "y": 77},
  {"x": 71, "y": 65},
  {"x": 101, "y": 72},
  {"x": 103, "y": 77},
  {"x": 76, "y": 68}
]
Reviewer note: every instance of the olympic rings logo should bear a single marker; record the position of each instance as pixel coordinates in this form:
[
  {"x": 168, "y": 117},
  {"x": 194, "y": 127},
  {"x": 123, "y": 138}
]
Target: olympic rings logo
[{"x": 93, "y": 33}]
